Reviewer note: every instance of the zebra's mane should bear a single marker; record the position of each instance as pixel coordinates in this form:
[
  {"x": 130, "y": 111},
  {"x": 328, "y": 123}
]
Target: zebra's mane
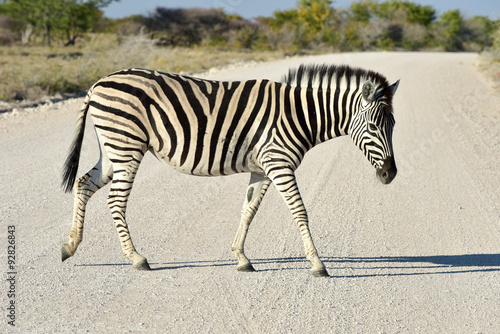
[{"x": 315, "y": 76}]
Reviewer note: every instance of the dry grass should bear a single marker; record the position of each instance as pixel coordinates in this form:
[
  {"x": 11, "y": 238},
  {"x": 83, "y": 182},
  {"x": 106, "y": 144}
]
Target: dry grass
[
  {"x": 490, "y": 60},
  {"x": 33, "y": 72},
  {"x": 490, "y": 65}
]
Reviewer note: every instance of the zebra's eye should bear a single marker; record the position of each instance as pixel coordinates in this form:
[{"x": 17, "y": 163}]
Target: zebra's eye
[{"x": 372, "y": 127}]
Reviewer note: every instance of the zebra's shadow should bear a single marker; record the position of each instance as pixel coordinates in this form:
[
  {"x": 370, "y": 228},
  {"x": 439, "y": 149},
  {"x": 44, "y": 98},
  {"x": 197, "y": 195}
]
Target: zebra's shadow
[
  {"x": 367, "y": 266},
  {"x": 355, "y": 267},
  {"x": 465, "y": 260},
  {"x": 232, "y": 263},
  {"x": 387, "y": 266}
]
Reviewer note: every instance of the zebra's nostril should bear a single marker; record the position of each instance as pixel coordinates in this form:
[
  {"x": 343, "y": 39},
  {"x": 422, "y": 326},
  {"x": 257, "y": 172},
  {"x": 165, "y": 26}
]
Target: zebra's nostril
[{"x": 387, "y": 172}]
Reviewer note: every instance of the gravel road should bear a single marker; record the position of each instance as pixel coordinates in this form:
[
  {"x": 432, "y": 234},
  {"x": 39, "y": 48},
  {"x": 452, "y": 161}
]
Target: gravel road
[{"x": 419, "y": 255}]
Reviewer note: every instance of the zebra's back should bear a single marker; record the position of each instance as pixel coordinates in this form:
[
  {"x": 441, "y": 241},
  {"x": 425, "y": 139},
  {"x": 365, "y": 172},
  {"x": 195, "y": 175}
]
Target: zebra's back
[{"x": 199, "y": 127}]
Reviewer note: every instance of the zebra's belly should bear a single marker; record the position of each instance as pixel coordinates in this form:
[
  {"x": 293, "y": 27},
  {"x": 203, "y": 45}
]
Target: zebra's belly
[{"x": 210, "y": 166}]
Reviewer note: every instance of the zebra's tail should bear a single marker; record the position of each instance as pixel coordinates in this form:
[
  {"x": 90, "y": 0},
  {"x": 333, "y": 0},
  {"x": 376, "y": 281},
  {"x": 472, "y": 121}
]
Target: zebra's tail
[{"x": 71, "y": 164}]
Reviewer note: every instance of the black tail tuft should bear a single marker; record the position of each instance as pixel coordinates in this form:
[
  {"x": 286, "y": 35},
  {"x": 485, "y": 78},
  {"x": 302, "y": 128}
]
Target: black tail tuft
[{"x": 71, "y": 164}]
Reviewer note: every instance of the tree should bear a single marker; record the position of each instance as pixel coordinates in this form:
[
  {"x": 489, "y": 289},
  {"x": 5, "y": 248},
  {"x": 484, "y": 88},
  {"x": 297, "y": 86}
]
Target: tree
[
  {"x": 406, "y": 11},
  {"x": 479, "y": 30},
  {"x": 418, "y": 14},
  {"x": 32, "y": 14},
  {"x": 451, "y": 23},
  {"x": 282, "y": 18},
  {"x": 187, "y": 27},
  {"x": 314, "y": 14},
  {"x": 65, "y": 17},
  {"x": 79, "y": 16},
  {"x": 360, "y": 11}
]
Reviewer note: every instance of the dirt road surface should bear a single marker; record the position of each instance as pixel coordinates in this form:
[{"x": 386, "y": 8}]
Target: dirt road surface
[{"x": 419, "y": 255}]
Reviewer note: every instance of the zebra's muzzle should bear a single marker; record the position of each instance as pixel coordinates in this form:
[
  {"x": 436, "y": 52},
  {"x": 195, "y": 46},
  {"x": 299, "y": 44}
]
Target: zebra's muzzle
[{"x": 388, "y": 171}]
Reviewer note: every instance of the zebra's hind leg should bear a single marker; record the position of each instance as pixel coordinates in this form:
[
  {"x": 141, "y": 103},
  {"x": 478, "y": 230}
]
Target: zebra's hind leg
[
  {"x": 84, "y": 188},
  {"x": 121, "y": 186},
  {"x": 256, "y": 189}
]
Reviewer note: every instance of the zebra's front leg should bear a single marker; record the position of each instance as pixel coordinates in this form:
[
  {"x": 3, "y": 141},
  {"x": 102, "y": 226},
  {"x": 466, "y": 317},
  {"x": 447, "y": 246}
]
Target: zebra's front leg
[
  {"x": 284, "y": 180},
  {"x": 255, "y": 192},
  {"x": 121, "y": 186}
]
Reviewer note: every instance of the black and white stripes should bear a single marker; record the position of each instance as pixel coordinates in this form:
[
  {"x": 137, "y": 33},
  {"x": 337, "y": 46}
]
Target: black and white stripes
[{"x": 207, "y": 128}]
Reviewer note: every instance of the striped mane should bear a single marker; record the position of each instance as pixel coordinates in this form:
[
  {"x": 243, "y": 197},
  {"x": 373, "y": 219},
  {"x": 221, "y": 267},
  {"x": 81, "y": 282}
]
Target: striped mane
[{"x": 324, "y": 76}]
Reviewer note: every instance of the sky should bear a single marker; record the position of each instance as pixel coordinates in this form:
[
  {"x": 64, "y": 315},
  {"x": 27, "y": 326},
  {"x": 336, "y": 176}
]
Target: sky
[{"x": 253, "y": 8}]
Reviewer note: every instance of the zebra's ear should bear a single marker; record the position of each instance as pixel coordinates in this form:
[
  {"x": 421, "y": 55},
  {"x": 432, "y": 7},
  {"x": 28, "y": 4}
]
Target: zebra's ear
[
  {"x": 368, "y": 91},
  {"x": 394, "y": 87}
]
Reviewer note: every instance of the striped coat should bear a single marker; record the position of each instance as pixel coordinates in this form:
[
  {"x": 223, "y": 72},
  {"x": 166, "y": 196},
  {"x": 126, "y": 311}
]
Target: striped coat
[{"x": 209, "y": 128}]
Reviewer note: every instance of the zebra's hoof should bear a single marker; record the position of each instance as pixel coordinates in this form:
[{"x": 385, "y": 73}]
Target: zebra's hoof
[
  {"x": 65, "y": 252},
  {"x": 321, "y": 272},
  {"x": 142, "y": 265},
  {"x": 246, "y": 268}
]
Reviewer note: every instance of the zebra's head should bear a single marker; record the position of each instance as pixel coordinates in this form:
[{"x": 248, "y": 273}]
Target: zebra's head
[{"x": 371, "y": 127}]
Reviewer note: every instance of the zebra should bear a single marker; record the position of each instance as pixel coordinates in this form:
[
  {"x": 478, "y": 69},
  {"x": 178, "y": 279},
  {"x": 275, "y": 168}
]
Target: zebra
[{"x": 212, "y": 128}]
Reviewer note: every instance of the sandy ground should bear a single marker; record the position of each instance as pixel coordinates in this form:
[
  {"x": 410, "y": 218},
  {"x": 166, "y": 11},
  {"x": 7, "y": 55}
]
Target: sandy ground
[{"x": 420, "y": 255}]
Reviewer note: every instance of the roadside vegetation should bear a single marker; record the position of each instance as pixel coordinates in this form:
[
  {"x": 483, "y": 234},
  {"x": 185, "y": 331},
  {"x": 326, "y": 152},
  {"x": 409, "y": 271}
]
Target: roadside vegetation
[
  {"x": 63, "y": 46},
  {"x": 490, "y": 60},
  {"x": 30, "y": 73}
]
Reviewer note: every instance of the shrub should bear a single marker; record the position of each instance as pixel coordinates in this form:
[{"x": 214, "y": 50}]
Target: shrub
[{"x": 415, "y": 37}]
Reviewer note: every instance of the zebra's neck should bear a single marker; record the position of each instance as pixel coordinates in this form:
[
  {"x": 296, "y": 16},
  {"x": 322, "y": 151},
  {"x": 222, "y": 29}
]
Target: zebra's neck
[{"x": 319, "y": 114}]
